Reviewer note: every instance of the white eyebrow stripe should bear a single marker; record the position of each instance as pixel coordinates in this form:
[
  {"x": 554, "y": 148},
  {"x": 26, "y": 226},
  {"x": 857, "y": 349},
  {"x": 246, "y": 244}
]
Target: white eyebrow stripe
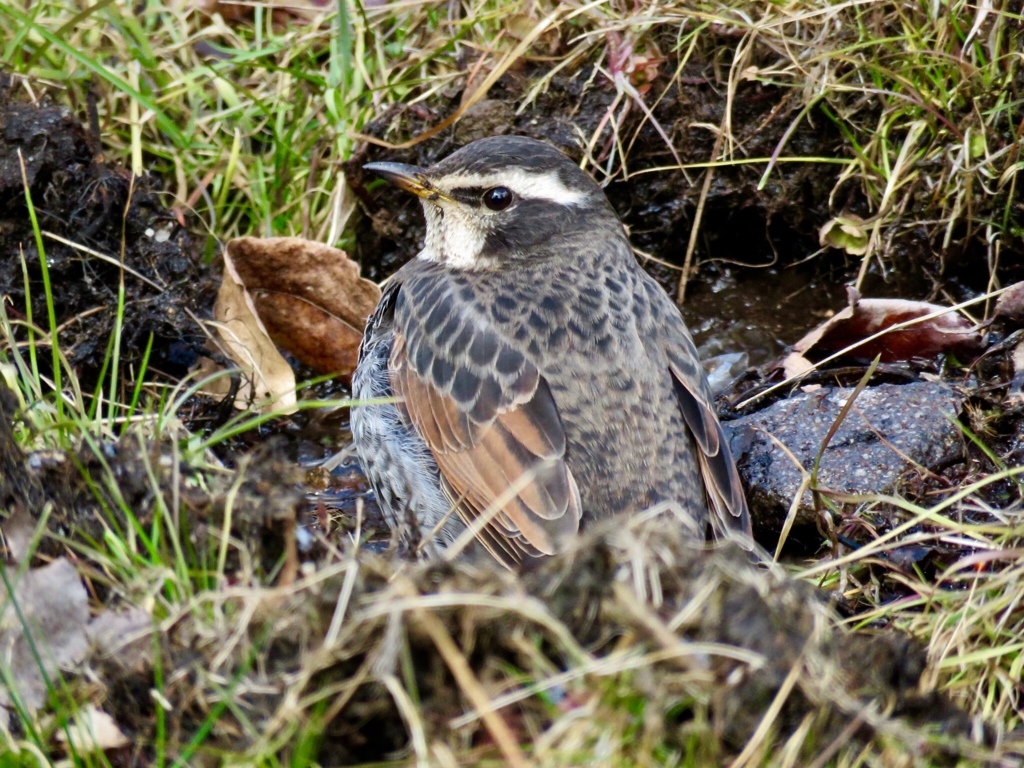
[{"x": 545, "y": 186}]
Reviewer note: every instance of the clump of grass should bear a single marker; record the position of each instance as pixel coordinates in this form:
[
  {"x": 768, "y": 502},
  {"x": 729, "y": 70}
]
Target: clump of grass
[
  {"x": 923, "y": 99},
  {"x": 637, "y": 647},
  {"x": 967, "y": 613}
]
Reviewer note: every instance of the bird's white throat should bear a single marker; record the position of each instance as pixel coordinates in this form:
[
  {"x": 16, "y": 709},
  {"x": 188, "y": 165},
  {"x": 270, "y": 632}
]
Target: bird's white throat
[{"x": 452, "y": 238}]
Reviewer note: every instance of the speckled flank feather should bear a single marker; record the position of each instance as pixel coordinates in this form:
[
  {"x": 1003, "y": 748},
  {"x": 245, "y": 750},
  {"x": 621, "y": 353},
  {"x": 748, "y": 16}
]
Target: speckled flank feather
[
  {"x": 395, "y": 458},
  {"x": 554, "y": 365}
]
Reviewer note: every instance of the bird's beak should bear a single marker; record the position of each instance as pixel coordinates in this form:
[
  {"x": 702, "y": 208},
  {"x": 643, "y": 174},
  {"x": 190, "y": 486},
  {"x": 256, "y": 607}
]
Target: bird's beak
[{"x": 410, "y": 178}]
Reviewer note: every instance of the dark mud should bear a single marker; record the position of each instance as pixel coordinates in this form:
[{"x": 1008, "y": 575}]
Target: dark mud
[
  {"x": 139, "y": 483},
  {"x": 82, "y": 199},
  {"x": 759, "y": 312}
]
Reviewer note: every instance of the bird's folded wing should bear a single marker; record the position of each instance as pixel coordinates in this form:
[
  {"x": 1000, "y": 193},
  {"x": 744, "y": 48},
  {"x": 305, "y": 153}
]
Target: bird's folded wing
[
  {"x": 490, "y": 423},
  {"x": 721, "y": 478}
]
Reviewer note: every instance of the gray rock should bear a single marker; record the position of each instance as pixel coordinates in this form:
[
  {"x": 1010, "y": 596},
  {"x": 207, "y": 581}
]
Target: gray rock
[{"x": 890, "y": 429}]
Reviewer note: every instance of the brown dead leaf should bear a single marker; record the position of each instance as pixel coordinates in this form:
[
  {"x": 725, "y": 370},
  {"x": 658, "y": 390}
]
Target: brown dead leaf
[
  {"x": 1010, "y": 305},
  {"x": 285, "y": 292},
  {"x": 270, "y": 380},
  {"x": 55, "y": 609},
  {"x": 865, "y": 317},
  {"x": 309, "y": 297},
  {"x": 794, "y": 364}
]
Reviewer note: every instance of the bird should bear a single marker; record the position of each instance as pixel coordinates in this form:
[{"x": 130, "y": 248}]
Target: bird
[{"x": 522, "y": 376}]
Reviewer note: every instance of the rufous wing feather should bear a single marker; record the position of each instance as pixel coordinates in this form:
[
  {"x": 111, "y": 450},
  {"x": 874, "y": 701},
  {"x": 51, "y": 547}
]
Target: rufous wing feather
[{"x": 501, "y": 459}]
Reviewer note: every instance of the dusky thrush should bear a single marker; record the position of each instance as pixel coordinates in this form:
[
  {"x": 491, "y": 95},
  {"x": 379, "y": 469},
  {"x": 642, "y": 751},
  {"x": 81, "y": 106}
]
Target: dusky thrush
[{"x": 523, "y": 374}]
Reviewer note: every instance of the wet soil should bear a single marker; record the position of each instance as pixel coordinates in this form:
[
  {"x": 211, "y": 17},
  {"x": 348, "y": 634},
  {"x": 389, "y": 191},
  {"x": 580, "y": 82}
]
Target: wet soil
[
  {"x": 96, "y": 205},
  {"x": 759, "y": 312},
  {"x": 129, "y": 484}
]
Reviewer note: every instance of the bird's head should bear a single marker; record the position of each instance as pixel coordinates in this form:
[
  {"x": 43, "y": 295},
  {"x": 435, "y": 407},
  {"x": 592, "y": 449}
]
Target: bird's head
[{"x": 502, "y": 199}]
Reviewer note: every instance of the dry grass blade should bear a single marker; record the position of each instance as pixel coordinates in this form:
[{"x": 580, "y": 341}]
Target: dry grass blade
[
  {"x": 756, "y": 742},
  {"x": 460, "y": 668}
]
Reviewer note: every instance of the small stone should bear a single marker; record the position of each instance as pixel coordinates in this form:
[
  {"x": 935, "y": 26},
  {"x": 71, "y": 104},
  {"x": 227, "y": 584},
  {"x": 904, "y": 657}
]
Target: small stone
[{"x": 890, "y": 429}]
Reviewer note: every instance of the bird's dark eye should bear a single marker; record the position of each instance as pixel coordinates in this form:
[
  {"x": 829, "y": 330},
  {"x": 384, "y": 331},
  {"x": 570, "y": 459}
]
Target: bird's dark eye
[{"x": 498, "y": 198}]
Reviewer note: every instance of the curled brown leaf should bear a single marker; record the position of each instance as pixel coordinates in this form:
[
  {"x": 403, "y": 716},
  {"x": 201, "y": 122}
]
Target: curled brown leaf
[
  {"x": 850, "y": 332},
  {"x": 308, "y": 296}
]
